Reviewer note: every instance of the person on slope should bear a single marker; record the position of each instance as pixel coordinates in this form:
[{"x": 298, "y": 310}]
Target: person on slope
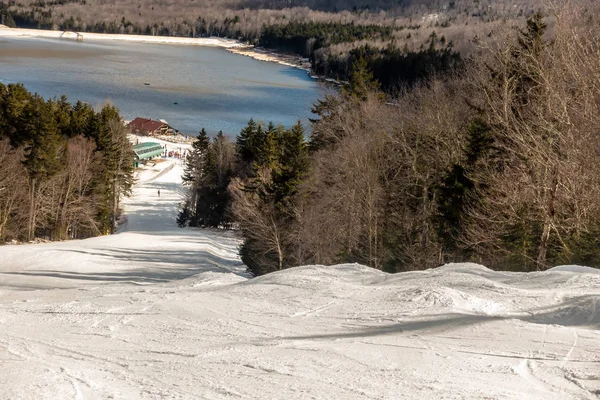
[{"x": 158, "y": 192}]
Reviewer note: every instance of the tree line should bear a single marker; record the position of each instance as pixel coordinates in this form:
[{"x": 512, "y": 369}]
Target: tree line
[
  {"x": 498, "y": 163},
  {"x": 63, "y": 167},
  {"x": 394, "y": 68},
  {"x": 306, "y": 37}
]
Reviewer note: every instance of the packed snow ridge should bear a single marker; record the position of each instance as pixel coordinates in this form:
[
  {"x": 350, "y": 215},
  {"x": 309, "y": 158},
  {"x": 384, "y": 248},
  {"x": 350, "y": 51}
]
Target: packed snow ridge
[{"x": 158, "y": 312}]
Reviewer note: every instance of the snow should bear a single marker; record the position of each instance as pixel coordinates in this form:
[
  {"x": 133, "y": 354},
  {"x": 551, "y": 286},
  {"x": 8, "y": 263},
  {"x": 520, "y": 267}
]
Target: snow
[
  {"x": 575, "y": 268},
  {"x": 88, "y": 36},
  {"x": 158, "y": 312}
]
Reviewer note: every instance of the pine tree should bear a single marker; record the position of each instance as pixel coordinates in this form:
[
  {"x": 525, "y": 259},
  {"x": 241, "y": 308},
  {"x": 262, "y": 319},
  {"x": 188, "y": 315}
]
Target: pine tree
[
  {"x": 194, "y": 159},
  {"x": 219, "y": 171},
  {"x": 193, "y": 209},
  {"x": 291, "y": 168},
  {"x": 361, "y": 82},
  {"x": 252, "y": 149},
  {"x": 456, "y": 193},
  {"x": 245, "y": 144},
  {"x": 81, "y": 121},
  {"x": 327, "y": 110},
  {"x": 117, "y": 178}
]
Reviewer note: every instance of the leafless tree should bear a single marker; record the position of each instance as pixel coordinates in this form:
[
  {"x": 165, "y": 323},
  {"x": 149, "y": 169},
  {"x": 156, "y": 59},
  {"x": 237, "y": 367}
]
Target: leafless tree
[
  {"x": 542, "y": 99},
  {"x": 258, "y": 218},
  {"x": 13, "y": 192},
  {"x": 67, "y": 199}
]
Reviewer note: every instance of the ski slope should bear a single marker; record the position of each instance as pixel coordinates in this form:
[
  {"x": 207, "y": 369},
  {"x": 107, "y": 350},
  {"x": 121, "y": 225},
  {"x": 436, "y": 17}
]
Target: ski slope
[{"x": 158, "y": 312}]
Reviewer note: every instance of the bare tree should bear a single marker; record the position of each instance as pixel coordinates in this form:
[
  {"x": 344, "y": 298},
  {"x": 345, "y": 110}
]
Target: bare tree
[
  {"x": 67, "y": 199},
  {"x": 13, "y": 192},
  {"x": 542, "y": 99},
  {"x": 256, "y": 214}
]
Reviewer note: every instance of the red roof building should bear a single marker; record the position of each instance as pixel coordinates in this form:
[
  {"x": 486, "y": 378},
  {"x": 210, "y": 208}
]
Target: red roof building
[{"x": 150, "y": 127}]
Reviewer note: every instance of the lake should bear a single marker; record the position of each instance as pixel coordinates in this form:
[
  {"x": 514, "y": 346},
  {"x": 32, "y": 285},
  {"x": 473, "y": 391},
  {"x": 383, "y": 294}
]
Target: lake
[{"x": 188, "y": 86}]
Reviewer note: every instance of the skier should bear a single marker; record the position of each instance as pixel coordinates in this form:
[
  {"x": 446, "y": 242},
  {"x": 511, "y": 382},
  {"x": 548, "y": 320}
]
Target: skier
[{"x": 158, "y": 192}]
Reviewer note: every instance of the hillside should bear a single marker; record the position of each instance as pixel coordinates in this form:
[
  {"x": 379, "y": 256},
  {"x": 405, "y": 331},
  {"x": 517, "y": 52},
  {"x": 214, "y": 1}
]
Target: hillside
[
  {"x": 160, "y": 312},
  {"x": 245, "y": 18}
]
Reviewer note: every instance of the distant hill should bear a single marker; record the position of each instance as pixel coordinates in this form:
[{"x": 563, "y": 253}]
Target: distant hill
[{"x": 338, "y": 5}]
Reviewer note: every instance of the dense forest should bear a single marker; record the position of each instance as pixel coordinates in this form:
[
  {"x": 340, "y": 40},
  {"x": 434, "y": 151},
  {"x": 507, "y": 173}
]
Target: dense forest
[
  {"x": 496, "y": 163},
  {"x": 63, "y": 167},
  {"x": 337, "y": 5}
]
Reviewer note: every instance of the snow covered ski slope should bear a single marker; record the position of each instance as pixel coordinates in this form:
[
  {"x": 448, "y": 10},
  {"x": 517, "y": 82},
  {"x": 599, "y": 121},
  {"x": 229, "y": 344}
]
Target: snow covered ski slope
[{"x": 156, "y": 312}]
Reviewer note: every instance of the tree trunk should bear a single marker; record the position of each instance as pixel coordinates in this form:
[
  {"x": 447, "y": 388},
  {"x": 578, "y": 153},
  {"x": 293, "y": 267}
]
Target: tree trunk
[
  {"x": 31, "y": 224},
  {"x": 549, "y": 220},
  {"x": 114, "y": 207}
]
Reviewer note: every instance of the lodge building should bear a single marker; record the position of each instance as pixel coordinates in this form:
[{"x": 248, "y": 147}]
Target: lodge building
[
  {"x": 147, "y": 151},
  {"x": 148, "y": 127}
]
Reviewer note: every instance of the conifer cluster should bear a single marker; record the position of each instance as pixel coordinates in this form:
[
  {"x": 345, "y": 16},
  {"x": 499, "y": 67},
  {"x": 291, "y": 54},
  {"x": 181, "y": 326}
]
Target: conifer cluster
[{"x": 252, "y": 184}]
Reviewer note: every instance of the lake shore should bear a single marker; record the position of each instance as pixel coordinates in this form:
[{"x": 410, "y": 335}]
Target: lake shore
[
  {"x": 88, "y": 36},
  {"x": 232, "y": 45},
  {"x": 271, "y": 56}
]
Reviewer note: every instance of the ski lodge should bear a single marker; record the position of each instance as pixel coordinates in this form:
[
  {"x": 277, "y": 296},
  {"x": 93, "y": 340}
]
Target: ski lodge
[{"x": 148, "y": 127}]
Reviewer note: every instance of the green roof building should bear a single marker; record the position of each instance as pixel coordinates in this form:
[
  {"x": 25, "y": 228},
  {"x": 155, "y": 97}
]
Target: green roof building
[{"x": 148, "y": 150}]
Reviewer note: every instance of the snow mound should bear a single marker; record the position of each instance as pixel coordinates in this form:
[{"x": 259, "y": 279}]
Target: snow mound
[
  {"x": 451, "y": 299},
  {"x": 212, "y": 279},
  {"x": 578, "y": 269},
  {"x": 574, "y": 311},
  {"x": 467, "y": 268},
  {"x": 321, "y": 275}
]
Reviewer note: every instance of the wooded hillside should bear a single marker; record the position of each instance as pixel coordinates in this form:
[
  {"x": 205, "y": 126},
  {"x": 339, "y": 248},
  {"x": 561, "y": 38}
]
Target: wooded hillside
[{"x": 498, "y": 163}]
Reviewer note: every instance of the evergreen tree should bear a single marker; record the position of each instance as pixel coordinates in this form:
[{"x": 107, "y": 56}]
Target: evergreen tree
[
  {"x": 219, "y": 170},
  {"x": 361, "y": 81},
  {"x": 117, "y": 178},
  {"x": 252, "y": 149},
  {"x": 245, "y": 143},
  {"x": 208, "y": 173},
  {"x": 456, "y": 191},
  {"x": 291, "y": 168},
  {"x": 327, "y": 110},
  {"x": 190, "y": 178},
  {"x": 82, "y": 116},
  {"x": 265, "y": 203},
  {"x": 44, "y": 149},
  {"x": 194, "y": 160}
]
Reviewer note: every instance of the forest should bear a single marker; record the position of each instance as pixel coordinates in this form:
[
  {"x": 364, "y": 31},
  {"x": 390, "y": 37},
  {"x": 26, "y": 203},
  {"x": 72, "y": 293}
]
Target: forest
[
  {"x": 64, "y": 168},
  {"x": 496, "y": 162}
]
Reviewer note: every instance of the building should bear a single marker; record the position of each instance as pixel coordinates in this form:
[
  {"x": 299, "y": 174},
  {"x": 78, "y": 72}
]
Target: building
[
  {"x": 149, "y": 127},
  {"x": 146, "y": 151}
]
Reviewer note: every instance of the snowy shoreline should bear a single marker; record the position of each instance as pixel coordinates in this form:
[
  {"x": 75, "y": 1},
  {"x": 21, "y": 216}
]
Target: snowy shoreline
[
  {"x": 271, "y": 56},
  {"x": 86, "y": 36},
  {"x": 232, "y": 45}
]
